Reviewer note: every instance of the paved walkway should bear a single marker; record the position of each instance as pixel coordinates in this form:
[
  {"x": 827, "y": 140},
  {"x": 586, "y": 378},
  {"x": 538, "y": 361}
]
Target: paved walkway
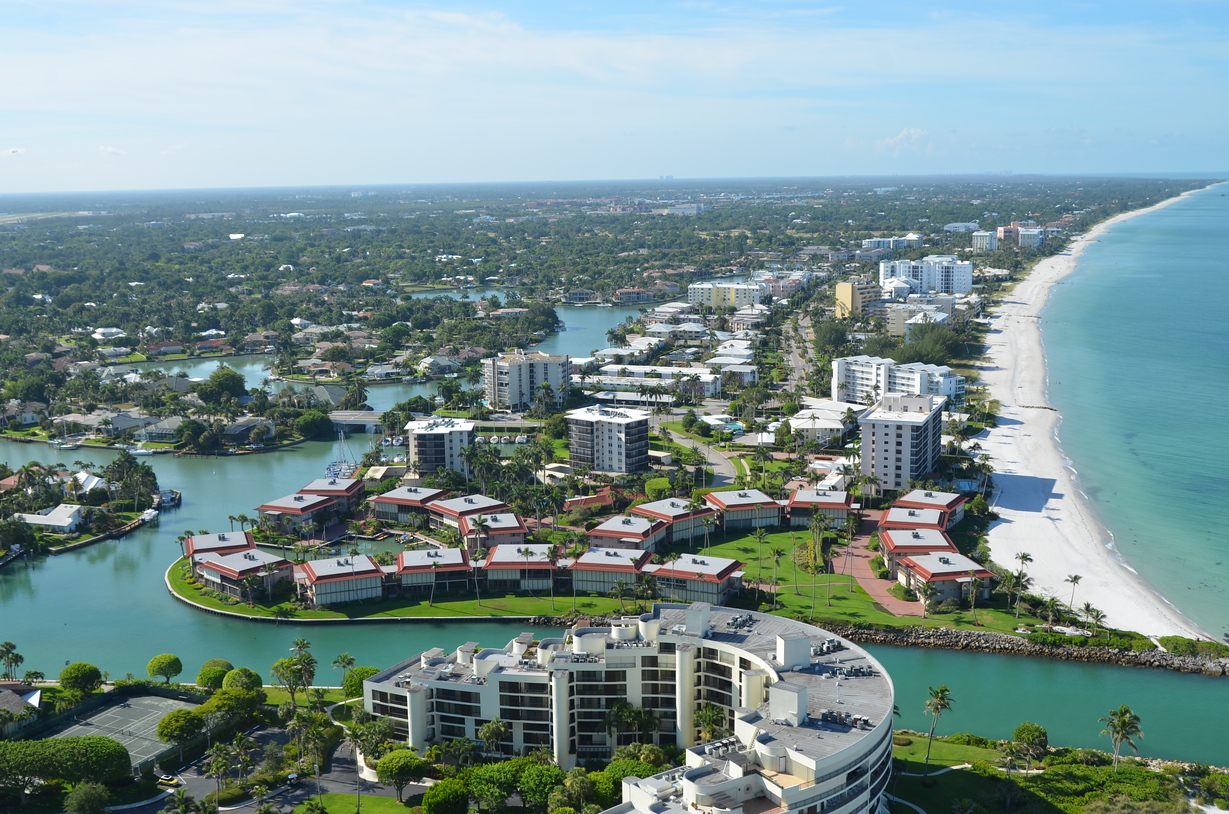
[{"x": 861, "y": 562}]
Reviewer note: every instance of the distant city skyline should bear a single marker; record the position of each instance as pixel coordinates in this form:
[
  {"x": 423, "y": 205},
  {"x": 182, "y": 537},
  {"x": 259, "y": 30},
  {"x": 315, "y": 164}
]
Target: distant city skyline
[{"x": 143, "y": 94}]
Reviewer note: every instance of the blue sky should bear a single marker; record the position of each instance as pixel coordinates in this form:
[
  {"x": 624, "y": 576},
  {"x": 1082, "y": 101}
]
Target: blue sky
[{"x": 142, "y": 94}]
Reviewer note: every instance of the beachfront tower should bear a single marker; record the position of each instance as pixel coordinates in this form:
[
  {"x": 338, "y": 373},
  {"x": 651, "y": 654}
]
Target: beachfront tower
[{"x": 901, "y": 439}]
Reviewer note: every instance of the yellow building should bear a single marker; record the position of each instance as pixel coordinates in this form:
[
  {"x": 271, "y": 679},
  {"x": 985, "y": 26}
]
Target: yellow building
[{"x": 852, "y": 296}]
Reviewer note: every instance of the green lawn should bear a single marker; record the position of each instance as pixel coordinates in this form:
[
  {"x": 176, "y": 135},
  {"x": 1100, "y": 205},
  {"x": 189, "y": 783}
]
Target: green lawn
[
  {"x": 795, "y": 586},
  {"x": 942, "y": 754},
  {"x": 332, "y": 695},
  {"x": 346, "y": 803}
]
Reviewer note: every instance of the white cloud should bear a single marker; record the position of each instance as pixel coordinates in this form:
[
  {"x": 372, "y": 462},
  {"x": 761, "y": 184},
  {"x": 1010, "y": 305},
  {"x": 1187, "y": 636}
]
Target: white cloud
[
  {"x": 13, "y": 151},
  {"x": 107, "y": 150},
  {"x": 907, "y": 138}
]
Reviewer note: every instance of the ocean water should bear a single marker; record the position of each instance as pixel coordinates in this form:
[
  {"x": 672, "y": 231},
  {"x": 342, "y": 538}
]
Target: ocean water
[{"x": 1137, "y": 343}]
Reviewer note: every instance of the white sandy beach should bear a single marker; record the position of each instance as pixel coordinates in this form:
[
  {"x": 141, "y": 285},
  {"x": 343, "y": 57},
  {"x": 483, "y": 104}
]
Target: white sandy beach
[{"x": 1041, "y": 510}]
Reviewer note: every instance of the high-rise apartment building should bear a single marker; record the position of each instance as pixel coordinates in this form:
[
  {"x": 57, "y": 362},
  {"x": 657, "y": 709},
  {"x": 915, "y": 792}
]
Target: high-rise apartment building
[
  {"x": 856, "y": 377},
  {"x": 726, "y": 295},
  {"x": 937, "y": 272},
  {"x": 807, "y": 715},
  {"x": 901, "y": 439},
  {"x": 435, "y": 443},
  {"x": 514, "y": 381},
  {"x": 852, "y": 297},
  {"x": 984, "y": 242},
  {"x": 609, "y": 440}
]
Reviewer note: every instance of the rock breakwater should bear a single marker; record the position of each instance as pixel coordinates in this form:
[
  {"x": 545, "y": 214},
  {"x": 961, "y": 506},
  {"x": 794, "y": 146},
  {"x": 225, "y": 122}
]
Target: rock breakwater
[{"x": 1005, "y": 644}]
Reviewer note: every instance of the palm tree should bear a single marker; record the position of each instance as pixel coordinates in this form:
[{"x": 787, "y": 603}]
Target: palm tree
[
  {"x": 1096, "y": 617},
  {"x": 760, "y": 534},
  {"x": 526, "y": 552},
  {"x": 777, "y": 553},
  {"x": 1122, "y": 725},
  {"x": 618, "y": 592},
  {"x": 707, "y": 520},
  {"x": 434, "y": 568},
  {"x": 939, "y": 702},
  {"x": 711, "y": 722},
  {"x": 1074, "y": 579},
  {"x": 926, "y": 592},
  {"x": 346, "y": 663},
  {"x": 493, "y": 733},
  {"x": 974, "y": 586},
  {"x": 1024, "y": 558},
  {"x": 1050, "y": 608},
  {"x": 1023, "y": 583}
]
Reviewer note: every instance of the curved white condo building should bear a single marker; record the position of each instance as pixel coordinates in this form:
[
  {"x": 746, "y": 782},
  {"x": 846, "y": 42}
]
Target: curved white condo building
[{"x": 808, "y": 715}]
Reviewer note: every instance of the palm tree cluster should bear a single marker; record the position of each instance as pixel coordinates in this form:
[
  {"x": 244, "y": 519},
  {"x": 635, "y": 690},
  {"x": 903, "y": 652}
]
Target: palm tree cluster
[{"x": 623, "y": 717}]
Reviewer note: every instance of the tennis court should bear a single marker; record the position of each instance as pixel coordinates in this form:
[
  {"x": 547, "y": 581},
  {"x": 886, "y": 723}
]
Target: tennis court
[{"x": 133, "y": 721}]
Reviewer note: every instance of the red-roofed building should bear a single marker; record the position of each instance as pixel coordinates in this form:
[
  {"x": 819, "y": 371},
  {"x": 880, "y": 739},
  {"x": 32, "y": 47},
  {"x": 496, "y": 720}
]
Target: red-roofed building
[
  {"x": 220, "y": 544},
  {"x": 898, "y": 543},
  {"x": 402, "y": 503},
  {"x": 349, "y": 579},
  {"x": 501, "y": 528},
  {"x": 449, "y": 512},
  {"x": 805, "y": 503},
  {"x": 348, "y": 492},
  {"x": 899, "y": 517},
  {"x": 745, "y": 508},
  {"x": 519, "y": 568},
  {"x": 293, "y": 512},
  {"x": 698, "y": 578},
  {"x": 598, "y": 570},
  {"x": 229, "y": 573},
  {"x": 949, "y": 503},
  {"x": 643, "y": 533},
  {"x": 447, "y": 569},
  {"x": 682, "y": 522},
  {"x": 950, "y": 574}
]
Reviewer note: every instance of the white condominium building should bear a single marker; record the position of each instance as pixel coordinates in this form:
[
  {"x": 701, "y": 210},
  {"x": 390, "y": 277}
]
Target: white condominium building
[
  {"x": 984, "y": 242},
  {"x": 726, "y": 295},
  {"x": 854, "y": 378},
  {"x": 514, "y": 381},
  {"x": 805, "y": 717},
  {"x": 433, "y": 443},
  {"x": 609, "y": 440},
  {"x": 901, "y": 439},
  {"x": 937, "y": 272}
]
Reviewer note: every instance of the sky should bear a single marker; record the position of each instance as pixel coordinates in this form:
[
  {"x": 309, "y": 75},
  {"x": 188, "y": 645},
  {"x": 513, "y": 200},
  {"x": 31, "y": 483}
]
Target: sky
[{"x": 168, "y": 94}]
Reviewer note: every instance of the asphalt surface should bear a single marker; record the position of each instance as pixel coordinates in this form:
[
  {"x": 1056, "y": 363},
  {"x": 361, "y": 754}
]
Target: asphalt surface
[{"x": 341, "y": 778}]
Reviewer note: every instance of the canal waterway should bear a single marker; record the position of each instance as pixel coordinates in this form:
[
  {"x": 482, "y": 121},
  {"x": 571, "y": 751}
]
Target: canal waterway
[{"x": 107, "y": 604}]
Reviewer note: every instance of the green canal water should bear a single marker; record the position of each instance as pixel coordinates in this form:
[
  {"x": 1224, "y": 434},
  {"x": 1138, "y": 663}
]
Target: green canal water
[{"x": 107, "y": 605}]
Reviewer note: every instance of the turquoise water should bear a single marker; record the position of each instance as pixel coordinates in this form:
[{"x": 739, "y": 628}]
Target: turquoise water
[{"x": 1137, "y": 342}]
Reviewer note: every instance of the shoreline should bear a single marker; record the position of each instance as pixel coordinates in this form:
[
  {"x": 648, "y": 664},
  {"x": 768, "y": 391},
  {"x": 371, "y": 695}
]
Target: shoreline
[{"x": 1041, "y": 508}]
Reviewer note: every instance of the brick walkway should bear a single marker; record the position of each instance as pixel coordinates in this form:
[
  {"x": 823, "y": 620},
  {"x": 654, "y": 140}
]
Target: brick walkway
[{"x": 877, "y": 588}]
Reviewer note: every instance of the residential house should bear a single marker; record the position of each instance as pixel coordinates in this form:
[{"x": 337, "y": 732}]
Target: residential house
[
  {"x": 245, "y": 429},
  {"x": 164, "y": 348},
  {"x": 218, "y": 545},
  {"x": 162, "y": 432},
  {"x": 62, "y": 519}
]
